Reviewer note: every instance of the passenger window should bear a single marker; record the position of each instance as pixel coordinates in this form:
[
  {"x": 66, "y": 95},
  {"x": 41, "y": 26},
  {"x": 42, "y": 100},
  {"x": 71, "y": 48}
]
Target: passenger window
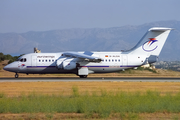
[
  {"x": 39, "y": 60},
  {"x": 109, "y": 60},
  {"x": 42, "y": 60},
  {"x": 49, "y": 60},
  {"x": 116, "y": 60},
  {"x": 112, "y": 60},
  {"x": 53, "y": 60},
  {"x": 119, "y": 60},
  {"x": 46, "y": 60}
]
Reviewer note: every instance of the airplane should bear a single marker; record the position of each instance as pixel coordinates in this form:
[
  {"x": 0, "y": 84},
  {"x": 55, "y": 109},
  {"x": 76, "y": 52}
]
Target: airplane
[{"x": 146, "y": 51}]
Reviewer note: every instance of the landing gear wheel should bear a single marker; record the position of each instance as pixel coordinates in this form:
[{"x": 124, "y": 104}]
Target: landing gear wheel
[
  {"x": 83, "y": 76},
  {"x": 16, "y": 75}
]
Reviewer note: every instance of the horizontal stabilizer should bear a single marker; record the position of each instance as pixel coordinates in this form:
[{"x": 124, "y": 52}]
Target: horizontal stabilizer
[{"x": 161, "y": 29}]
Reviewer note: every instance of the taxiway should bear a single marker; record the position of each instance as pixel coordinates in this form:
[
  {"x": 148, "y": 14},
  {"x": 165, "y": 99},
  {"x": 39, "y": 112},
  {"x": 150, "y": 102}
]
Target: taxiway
[{"x": 90, "y": 79}]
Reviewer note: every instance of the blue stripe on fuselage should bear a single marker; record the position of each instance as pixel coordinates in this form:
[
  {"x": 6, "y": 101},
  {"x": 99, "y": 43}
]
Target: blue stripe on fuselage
[
  {"x": 41, "y": 66},
  {"x": 81, "y": 66}
]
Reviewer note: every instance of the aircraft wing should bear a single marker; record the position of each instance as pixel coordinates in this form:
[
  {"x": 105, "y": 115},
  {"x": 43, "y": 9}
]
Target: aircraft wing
[{"x": 83, "y": 56}]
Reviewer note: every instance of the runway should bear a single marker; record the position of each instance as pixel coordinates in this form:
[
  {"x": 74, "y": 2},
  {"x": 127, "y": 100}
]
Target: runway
[{"x": 90, "y": 79}]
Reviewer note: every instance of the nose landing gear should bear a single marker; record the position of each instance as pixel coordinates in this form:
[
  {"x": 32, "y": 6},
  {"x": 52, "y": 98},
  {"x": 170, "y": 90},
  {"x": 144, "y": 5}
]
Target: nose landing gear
[{"x": 16, "y": 75}]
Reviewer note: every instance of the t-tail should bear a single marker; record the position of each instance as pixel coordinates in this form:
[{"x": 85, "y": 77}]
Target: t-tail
[{"x": 151, "y": 43}]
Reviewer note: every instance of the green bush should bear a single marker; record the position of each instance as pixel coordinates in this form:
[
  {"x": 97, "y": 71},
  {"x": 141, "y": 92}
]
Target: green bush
[
  {"x": 8, "y": 57},
  {"x": 2, "y": 95},
  {"x": 75, "y": 91}
]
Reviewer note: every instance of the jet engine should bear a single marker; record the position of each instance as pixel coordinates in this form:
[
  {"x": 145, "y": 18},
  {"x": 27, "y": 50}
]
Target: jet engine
[
  {"x": 59, "y": 64},
  {"x": 66, "y": 64}
]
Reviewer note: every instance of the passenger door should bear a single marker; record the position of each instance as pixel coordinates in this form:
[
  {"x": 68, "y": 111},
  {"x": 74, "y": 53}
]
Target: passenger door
[
  {"x": 33, "y": 60},
  {"x": 124, "y": 60}
]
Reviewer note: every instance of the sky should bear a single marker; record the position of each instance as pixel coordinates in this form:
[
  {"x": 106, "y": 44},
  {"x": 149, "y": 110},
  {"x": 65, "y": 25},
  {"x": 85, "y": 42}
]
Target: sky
[{"x": 42, "y": 15}]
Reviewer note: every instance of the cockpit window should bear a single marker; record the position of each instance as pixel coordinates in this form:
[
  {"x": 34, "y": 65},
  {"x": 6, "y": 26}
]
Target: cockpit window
[{"x": 22, "y": 60}]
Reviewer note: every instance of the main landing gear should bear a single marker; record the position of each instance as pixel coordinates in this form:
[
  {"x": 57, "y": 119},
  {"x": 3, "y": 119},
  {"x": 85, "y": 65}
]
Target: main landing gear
[
  {"x": 83, "y": 76},
  {"x": 16, "y": 75}
]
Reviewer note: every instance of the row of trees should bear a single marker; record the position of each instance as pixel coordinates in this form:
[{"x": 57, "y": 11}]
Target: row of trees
[{"x": 8, "y": 57}]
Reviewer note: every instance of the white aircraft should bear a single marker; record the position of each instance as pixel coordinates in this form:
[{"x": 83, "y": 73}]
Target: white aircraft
[{"x": 146, "y": 51}]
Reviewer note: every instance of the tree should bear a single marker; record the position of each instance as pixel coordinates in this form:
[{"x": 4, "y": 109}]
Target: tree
[
  {"x": 2, "y": 57},
  {"x": 9, "y": 57}
]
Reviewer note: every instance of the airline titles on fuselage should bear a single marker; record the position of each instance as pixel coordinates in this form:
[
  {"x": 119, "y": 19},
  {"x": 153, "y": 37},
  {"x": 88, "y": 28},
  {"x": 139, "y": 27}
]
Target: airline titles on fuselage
[{"x": 45, "y": 56}]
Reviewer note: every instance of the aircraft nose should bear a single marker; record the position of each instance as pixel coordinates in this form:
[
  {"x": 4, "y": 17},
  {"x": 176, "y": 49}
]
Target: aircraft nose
[
  {"x": 11, "y": 67},
  {"x": 7, "y": 67}
]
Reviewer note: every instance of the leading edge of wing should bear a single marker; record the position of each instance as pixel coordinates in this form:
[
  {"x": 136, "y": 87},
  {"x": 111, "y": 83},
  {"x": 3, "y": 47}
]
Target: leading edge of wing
[{"x": 82, "y": 56}]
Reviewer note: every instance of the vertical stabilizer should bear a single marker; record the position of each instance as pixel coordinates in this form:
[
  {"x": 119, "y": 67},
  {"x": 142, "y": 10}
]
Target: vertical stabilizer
[{"x": 152, "y": 42}]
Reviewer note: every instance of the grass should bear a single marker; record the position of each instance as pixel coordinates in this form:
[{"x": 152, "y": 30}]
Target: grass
[
  {"x": 2, "y": 95},
  {"x": 141, "y": 69},
  {"x": 49, "y": 97},
  {"x": 13, "y": 89},
  {"x": 102, "y": 105}
]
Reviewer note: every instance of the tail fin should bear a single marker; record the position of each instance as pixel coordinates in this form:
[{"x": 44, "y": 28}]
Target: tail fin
[{"x": 152, "y": 42}]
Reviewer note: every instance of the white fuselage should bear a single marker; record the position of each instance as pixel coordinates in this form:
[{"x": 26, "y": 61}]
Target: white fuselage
[{"x": 44, "y": 63}]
